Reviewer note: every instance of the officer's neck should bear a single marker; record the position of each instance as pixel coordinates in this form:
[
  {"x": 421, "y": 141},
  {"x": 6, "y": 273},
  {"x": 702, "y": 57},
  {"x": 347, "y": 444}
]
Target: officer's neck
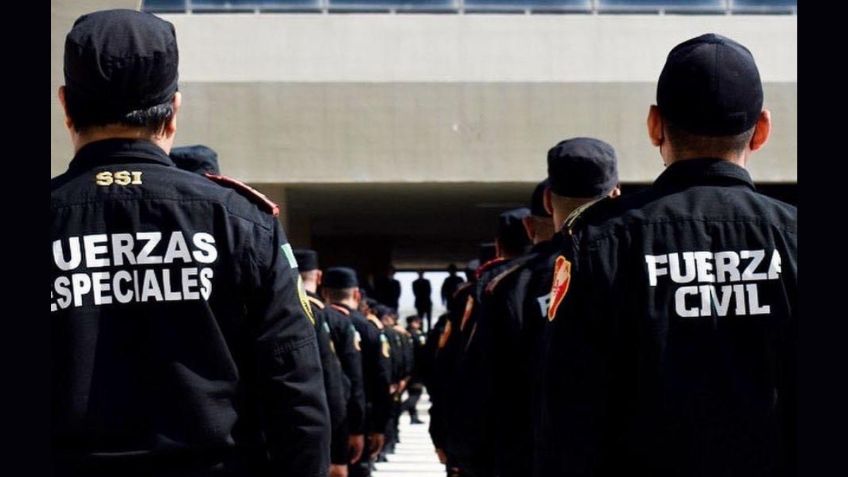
[{"x": 81, "y": 139}]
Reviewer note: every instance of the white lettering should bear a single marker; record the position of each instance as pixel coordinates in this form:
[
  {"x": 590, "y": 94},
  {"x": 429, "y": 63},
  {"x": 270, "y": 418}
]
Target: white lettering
[
  {"x": 189, "y": 283},
  {"x": 62, "y": 286},
  {"x": 122, "y": 247},
  {"x": 99, "y": 287},
  {"x": 754, "y": 301},
  {"x": 150, "y": 286},
  {"x": 81, "y": 285},
  {"x": 120, "y": 276},
  {"x": 680, "y": 301},
  {"x": 152, "y": 239},
  {"x": 674, "y": 267},
  {"x": 727, "y": 265},
  {"x": 206, "y": 243},
  {"x": 170, "y": 295},
  {"x": 757, "y": 257},
  {"x": 774, "y": 266},
  {"x": 177, "y": 248},
  {"x": 59, "y": 256},
  {"x": 206, "y": 282},
  {"x": 92, "y": 249},
  {"x": 705, "y": 267},
  {"x": 654, "y": 270}
]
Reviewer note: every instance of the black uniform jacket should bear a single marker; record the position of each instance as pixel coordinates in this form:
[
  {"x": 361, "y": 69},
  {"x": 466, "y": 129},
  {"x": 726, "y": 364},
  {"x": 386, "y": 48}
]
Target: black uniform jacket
[
  {"x": 672, "y": 349},
  {"x": 349, "y": 350},
  {"x": 335, "y": 382},
  {"x": 515, "y": 304},
  {"x": 376, "y": 370},
  {"x": 180, "y": 339}
]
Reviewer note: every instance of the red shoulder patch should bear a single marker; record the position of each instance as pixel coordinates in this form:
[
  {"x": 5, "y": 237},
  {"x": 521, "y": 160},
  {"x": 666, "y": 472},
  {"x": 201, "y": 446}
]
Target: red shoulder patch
[
  {"x": 562, "y": 277},
  {"x": 257, "y": 197}
]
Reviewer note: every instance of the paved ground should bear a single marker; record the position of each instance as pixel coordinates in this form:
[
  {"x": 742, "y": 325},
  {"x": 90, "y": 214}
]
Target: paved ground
[{"x": 414, "y": 455}]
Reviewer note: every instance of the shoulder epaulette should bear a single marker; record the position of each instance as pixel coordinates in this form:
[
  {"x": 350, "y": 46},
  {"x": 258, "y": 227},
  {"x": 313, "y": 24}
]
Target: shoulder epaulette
[
  {"x": 574, "y": 218},
  {"x": 488, "y": 265},
  {"x": 254, "y": 195},
  {"x": 517, "y": 264},
  {"x": 340, "y": 309},
  {"x": 460, "y": 288},
  {"x": 376, "y": 321},
  {"x": 316, "y": 302}
]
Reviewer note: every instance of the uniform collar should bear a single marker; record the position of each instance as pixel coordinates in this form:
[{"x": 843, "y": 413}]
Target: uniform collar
[
  {"x": 116, "y": 151},
  {"x": 703, "y": 171}
]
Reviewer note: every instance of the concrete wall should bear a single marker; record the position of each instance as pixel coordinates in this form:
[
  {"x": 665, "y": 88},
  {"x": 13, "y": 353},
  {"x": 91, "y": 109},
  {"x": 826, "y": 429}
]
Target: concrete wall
[{"x": 299, "y": 98}]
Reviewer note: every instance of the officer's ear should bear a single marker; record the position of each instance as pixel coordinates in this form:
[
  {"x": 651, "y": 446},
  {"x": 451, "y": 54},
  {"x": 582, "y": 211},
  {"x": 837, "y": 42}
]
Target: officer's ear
[
  {"x": 171, "y": 126},
  {"x": 548, "y": 201},
  {"x": 357, "y": 295},
  {"x": 527, "y": 222},
  {"x": 319, "y": 277},
  {"x": 68, "y": 122},
  {"x": 655, "y": 126},
  {"x": 762, "y": 131},
  {"x": 615, "y": 192}
]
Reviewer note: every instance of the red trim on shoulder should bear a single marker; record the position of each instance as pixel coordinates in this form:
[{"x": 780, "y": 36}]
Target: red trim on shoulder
[
  {"x": 488, "y": 265},
  {"x": 264, "y": 202},
  {"x": 340, "y": 309}
]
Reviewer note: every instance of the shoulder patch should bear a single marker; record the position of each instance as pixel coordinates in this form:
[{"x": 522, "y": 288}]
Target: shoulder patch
[
  {"x": 443, "y": 338},
  {"x": 493, "y": 283},
  {"x": 559, "y": 287},
  {"x": 304, "y": 300},
  {"x": 254, "y": 195},
  {"x": 386, "y": 347},
  {"x": 357, "y": 341},
  {"x": 340, "y": 309},
  {"x": 318, "y": 303},
  {"x": 469, "y": 307}
]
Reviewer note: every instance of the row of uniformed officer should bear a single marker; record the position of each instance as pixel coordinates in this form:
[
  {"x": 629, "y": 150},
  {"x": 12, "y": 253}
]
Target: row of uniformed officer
[{"x": 650, "y": 334}]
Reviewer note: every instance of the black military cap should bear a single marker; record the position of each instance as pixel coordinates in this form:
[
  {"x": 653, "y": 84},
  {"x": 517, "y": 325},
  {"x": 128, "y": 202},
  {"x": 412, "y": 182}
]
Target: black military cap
[
  {"x": 307, "y": 259},
  {"x": 511, "y": 232},
  {"x": 340, "y": 278},
  {"x": 117, "y": 61},
  {"x": 710, "y": 86},
  {"x": 537, "y": 200},
  {"x": 486, "y": 252},
  {"x": 582, "y": 167},
  {"x": 199, "y": 159}
]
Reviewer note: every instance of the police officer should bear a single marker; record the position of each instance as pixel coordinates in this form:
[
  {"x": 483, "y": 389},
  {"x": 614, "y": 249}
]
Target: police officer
[
  {"x": 181, "y": 341},
  {"x": 415, "y": 387},
  {"x": 516, "y": 300},
  {"x": 347, "y": 343},
  {"x": 341, "y": 292},
  {"x": 336, "y": 384},
  {"x": 470, "y": 423},
  {"x": 672, "y": 349}
]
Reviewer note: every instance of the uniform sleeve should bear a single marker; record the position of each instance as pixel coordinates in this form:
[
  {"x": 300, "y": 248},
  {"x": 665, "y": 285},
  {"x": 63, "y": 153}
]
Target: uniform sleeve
[
  {"x": 382, "y": 400},
  {"x": 291, "y": 384},
  {"x": 335, "y": 391},
  {"x": 351, "y": 359}
]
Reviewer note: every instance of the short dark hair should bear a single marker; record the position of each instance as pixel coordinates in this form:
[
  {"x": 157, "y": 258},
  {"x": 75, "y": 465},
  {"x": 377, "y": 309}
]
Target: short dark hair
[
  {"x": 153, "y": 119},
  {"x": 685, "y": 141}
]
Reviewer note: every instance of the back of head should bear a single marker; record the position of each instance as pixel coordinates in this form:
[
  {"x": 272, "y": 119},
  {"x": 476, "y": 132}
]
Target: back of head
[
  {"x": 710, "y": 96},
  {"x": 340, "y": 283},
  {"x": 512, "y": 238},
  {"x": 120, "y": 68},
  {"x": 199, "y": 159},
  {"x": 582, "y": 168}
]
